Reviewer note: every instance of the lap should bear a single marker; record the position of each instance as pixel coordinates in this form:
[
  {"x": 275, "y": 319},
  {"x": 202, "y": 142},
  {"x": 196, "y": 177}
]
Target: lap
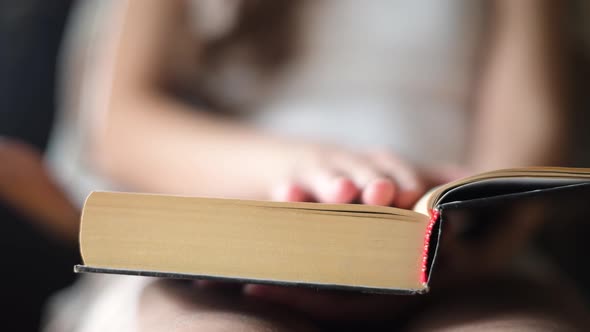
[
  {"x": 499, "y": 303},
  {"x": 173, "y": 306}
]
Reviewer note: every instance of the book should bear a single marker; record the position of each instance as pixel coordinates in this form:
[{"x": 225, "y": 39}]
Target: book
[{"x": 341, "y": 246}]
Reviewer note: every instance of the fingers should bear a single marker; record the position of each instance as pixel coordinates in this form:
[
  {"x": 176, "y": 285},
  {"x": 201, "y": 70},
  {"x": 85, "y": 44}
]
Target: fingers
[
  {"x": 323, "y": 304},
  {"x": 408, "y": 183},
  {"x": 289, "y": 192},
  {"x": 336, "y": 190},
  {"x": 345, "y": 177},
  {"x": 374, "y": 186},
  {"x": 380, "y": 191},
  {"x": 325, "y": 184},
  {"x": 322, "y": 188}
]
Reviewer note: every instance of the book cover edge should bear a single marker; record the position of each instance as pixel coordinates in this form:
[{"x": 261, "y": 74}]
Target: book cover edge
[{"x": 188, "y": 276}]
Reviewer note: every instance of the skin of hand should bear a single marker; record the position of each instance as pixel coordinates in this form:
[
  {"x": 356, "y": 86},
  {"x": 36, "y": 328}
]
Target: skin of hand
[{"x": 328, "y": 174}]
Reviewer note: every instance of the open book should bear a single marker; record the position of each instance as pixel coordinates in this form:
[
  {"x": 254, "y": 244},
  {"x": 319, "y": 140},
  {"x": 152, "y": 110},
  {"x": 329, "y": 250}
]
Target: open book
[{"x": 345, "y": 246}]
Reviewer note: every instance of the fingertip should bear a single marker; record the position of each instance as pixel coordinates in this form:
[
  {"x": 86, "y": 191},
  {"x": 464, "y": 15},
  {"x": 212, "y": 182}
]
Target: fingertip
[
  {"x": 340, "y": 190},
  {"x": 289, "y": 193},
  {"x": 379, "y": 192},
  {"x": 295, "y": 194},
  {"x": 410, "y": 189}
]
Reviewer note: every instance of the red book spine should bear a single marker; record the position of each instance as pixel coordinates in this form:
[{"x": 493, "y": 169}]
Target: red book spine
[{"x": 434, "y": 215}]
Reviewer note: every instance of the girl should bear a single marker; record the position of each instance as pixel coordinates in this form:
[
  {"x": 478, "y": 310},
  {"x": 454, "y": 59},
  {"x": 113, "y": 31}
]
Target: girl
[{"x": 333, "y": 101}]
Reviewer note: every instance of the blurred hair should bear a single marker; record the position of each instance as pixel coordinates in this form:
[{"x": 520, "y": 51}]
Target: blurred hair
[{"x": 264, "y": 32}]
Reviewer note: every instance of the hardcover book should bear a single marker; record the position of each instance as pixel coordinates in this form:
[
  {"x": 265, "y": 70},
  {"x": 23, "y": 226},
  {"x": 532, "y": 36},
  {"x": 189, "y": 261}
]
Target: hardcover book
[{"x": 341, "y": 246}]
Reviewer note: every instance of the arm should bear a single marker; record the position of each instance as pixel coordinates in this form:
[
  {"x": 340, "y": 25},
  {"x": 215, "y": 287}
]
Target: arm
[
  {"x": 148, "y": 140},
  {"x": 521, "y": 118}
]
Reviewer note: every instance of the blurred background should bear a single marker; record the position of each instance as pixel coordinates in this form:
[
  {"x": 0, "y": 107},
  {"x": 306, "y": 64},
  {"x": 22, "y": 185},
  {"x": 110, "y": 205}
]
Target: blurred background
[
  {"x": 34, "y": 264},
  {"x": 35, "y": 259}
]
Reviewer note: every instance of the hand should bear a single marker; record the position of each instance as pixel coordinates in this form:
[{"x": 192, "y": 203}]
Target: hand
[{"x": 334, "y": 175}]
